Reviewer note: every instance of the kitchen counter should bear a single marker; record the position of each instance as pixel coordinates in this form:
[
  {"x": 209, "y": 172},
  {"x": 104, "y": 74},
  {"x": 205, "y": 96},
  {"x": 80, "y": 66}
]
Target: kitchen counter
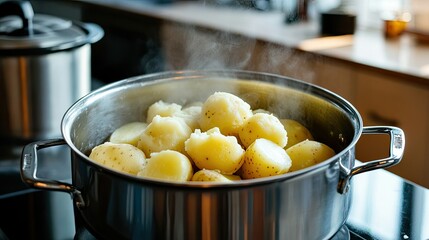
[{"x": 404, "y": 57}]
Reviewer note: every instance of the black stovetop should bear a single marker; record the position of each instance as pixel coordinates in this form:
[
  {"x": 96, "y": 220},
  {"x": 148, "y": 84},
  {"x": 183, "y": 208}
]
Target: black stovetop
[{"x": 384, "y": 206}]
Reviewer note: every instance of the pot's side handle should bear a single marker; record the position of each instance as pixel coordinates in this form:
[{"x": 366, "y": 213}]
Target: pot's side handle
[
  {"x": 397, "y": 145},
  {"x": 29, "y": 170}
]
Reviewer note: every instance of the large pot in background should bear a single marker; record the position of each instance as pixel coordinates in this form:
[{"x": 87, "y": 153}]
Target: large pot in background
[
  {"x": 311, "y": 203},
  {"x": 44, "y": 68}
]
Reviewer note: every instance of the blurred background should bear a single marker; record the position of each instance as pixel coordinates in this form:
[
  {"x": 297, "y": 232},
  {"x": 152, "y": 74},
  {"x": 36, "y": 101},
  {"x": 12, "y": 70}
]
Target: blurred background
[{"x": 374, "y": 54}]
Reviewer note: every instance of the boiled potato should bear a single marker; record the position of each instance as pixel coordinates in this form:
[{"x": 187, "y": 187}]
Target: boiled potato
[
  {"x": 214, "y": 151},
  {"x": 119, "y": 156},
  {"x": 190, "y": 115},
  {"x": 162, "y": 109},
  {"x": 167, "y": 165},
  {"x": 222, "y": 139},
  {"x": 264, "y": 158},
  {"x": 225, "y": 111},
  {"x": 164, "y": 133},
  {"x": 128, "y": 133},
  {"x": 263, "y": 125},
  {"x": 206, "y": 175},
  {"x": 260, "y": 110},
  {"x": 296, "y": 132},
  {"x": 308, "y": 153}
]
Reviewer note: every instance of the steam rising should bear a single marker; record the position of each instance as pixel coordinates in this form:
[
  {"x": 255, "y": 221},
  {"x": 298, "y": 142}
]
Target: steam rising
[
  {"x": 195, "y": 48},
  {"x": 189, "y": 47}
]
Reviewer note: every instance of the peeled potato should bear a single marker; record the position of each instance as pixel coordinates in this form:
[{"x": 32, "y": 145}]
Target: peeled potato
[
  {"x": 260, "y": 110},
  {"x": 167, "y": 165},
  {"x": 175, "y": 140},
  {"x": 118, "y": 156},
  {"x": 215, "y": 151},
  {"x": 164, "y": 133},
  {"x": 190, "y": 115},
  {"x": 225, "y": 111},
  {"x": 308, "y": 153},
  {"x": 206, "y": 175},
  {"x": 162, "y": 109},
  {"x": 296, "y": 132},
  {"x": 263, "y": 125},
  {"x": 128, "y": 133},
  {"x": 264, "y": 158}
]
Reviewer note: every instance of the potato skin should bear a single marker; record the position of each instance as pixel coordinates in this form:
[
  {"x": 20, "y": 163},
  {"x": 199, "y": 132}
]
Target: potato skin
[
  {"x": 225, "y": 111},
  {"x": 263, "y": 125},
  {"x": 167, "y": 165},
  {"x": 308, "y": 153},
  {"x": 296, "y": 132},
  {"x": 119, "y": 156},
  {"x": 164, "y": 133},
  {"x": 205, "y": 175},
  {"x": 214, "y": 151},
  {"x": 264, "y": 158}
]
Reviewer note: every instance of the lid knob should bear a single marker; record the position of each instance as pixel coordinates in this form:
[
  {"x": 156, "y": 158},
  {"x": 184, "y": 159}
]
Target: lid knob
[{"x": 22, "y": 9}]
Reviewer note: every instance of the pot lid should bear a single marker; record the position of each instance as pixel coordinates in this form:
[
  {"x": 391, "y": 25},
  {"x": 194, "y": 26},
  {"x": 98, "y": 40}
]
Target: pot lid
[{"x": 21, "y": 32}]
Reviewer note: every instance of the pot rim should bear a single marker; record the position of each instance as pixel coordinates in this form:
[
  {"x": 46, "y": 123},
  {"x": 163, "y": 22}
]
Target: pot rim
[{"x": 154, "y": 78}]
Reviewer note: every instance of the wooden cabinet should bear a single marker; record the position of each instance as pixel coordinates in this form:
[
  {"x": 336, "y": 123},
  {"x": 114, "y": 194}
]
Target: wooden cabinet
[
  {"x": 337, "y": 77},
  {"x": 333, "y": 75},
  {"x": 383, "y": 100},
  {"x": 277, "y": 59}
]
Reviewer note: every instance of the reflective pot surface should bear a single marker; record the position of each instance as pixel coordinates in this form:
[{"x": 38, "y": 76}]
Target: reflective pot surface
[
  {"x": 305, "y": 207},
  {"x": 38, "y": 89},
  {"x": 311, "y": 203},
  {"x": 44, "y": 68}
]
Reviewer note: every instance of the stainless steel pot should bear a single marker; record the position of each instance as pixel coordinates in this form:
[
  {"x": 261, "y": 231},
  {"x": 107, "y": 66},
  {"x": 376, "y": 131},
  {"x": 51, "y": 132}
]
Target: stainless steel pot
[
  {"x": 312, "y": 203},
  {"x": 44, "y": 68}
]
